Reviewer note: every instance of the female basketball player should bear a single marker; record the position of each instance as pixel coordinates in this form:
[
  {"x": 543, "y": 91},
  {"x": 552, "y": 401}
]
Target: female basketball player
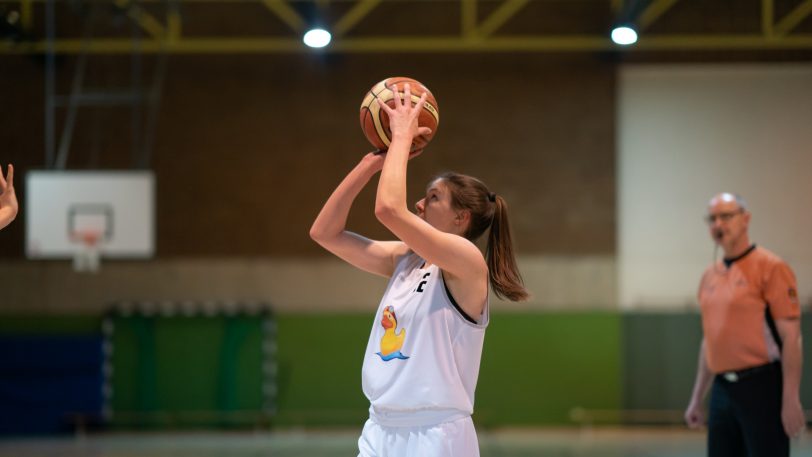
[
  {"x": 8, "y": 200},
  {"x": 422, "y": 360}
]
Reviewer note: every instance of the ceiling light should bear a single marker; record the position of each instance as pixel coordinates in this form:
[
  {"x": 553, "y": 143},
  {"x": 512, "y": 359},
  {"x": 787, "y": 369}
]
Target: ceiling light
[
  {"x": 317, "y": 38},
  {"x": 624, "y": 35}
]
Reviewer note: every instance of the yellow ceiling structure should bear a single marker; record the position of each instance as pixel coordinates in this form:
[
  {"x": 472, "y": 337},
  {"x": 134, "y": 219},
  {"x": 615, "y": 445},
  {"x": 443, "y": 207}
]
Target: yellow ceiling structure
[{"x": 426, "y": 26}]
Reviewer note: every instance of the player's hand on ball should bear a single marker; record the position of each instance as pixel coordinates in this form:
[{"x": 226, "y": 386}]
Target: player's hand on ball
[
  {"x": 403, "y": 118},
  {"x": 375, "y": 120}
]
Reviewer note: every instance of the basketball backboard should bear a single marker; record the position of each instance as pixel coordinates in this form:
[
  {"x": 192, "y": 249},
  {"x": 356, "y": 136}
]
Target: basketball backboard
[{"x": 65, "y": 208}]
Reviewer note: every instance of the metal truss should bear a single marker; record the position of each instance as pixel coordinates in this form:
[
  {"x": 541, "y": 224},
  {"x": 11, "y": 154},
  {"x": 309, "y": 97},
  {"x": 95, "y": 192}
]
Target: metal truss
[
  {"x": 477, "y": 26},
  {"x": 142, "y": 98}
]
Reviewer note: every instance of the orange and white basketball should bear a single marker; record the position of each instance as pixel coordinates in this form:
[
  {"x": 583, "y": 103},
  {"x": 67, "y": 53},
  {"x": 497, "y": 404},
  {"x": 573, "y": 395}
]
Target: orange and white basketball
[{"x": 375, "y": 121}]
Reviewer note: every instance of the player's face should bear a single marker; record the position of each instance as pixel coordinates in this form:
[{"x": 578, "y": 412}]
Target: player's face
[
  {"x": 727, "y": 221},
  {"x": 435, "y": 208}
]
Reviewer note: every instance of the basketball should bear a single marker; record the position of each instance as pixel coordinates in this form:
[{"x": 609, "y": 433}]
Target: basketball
[{"x": 375, "y": 121}]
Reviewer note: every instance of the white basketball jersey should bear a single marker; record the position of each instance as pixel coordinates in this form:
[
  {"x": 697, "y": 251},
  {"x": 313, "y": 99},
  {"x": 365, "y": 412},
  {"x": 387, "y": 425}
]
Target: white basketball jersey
[{"x": 423, "y": 354}]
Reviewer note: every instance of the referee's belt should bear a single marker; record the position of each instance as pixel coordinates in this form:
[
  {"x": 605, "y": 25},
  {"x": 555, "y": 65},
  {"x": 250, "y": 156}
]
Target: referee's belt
[{"x": 736, "y": 376}]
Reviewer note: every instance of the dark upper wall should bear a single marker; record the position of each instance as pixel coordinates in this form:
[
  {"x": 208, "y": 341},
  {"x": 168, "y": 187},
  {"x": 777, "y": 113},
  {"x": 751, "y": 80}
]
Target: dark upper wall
[{"x": 249, "y": 147}]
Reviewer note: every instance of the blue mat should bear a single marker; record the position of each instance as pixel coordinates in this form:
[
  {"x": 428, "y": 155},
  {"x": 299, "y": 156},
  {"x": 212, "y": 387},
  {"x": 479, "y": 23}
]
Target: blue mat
[{"x": 47, "y": 380}]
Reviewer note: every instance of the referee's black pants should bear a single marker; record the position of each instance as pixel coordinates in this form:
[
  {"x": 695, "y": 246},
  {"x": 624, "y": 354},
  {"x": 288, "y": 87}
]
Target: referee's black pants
[{"x": 745, "y": 416}]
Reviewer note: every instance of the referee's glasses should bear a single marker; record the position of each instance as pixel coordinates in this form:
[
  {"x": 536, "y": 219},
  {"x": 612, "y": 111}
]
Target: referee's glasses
[{"x": 722, "y": 217}]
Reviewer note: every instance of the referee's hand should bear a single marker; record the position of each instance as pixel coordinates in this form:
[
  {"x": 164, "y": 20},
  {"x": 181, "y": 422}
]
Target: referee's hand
[
  {"x": 694, "y": 416},
  {"x": 792, "y": 416}
]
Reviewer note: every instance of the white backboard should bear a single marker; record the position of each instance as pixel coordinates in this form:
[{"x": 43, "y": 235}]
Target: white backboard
[{"x": 118, "y": 204}]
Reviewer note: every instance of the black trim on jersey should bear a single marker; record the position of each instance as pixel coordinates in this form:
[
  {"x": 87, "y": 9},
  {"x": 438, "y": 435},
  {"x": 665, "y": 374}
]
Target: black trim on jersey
[
  {"x": 729, "y": 262},
  {"x": 454, "y": 302},
  {"x": 768, "y": 317},
  {"x": 773, "y": 329}
]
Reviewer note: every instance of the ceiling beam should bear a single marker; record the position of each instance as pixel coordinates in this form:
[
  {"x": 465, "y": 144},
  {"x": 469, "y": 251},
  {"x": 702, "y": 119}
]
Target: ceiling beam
[
  {"x": 653, "y": 11},
  {"x": 173, "y": 25},
  {"x": 427, "y": 44},
  {"x": 288, "y": 15},
  {"x": 498, "y": 18},
  {"x": 352, "y": 17},
  {"x": 144, "y": 20},
  {"x": 795, "y": 17},
  {"x": 473, "y": 35},
  {"x": 26, "y": 15},
  {"x": 468, "y": 15},
  {"x": 767, "y": 17}
]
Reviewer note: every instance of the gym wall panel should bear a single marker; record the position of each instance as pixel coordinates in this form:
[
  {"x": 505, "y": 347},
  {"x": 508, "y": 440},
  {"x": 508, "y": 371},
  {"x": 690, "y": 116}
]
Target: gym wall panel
[
  {"x": 555, "y": 282},
  {"x": 248, "y": 147},
  {"x": 687, "y": 132}
]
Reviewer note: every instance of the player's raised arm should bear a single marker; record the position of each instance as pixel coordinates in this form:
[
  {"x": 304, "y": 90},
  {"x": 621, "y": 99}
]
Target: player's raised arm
[{"x": 329, "y": 228}]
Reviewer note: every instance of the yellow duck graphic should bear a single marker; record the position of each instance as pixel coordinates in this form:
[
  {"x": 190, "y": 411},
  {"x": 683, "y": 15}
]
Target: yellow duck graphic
[{"x": 391, "y": 342}]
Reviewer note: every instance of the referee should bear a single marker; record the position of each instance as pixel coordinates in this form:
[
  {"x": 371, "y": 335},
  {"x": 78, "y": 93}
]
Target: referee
[{"x": 750, "y": 356}]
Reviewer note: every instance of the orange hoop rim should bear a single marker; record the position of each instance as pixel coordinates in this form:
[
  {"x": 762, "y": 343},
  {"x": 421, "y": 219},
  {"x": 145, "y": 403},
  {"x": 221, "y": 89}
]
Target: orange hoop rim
[{"x": 89, "y": 238}]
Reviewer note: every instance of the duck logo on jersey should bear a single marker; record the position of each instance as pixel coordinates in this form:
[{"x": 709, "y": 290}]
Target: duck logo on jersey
[{"x": 391, "y": 342}]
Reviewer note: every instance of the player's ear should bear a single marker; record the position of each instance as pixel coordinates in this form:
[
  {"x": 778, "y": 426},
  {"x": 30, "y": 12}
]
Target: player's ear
[{"x": 463, "y": 217}]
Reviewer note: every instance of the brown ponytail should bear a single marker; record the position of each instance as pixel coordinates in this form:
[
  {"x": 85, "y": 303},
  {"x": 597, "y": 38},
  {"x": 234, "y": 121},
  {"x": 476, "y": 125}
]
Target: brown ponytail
[
  {"x": 489, "y": 211},
  {"x": 504, "y": 274}
]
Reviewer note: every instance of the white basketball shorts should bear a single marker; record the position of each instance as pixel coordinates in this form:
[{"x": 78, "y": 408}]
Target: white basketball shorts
[{"x": 456, "y": 438}]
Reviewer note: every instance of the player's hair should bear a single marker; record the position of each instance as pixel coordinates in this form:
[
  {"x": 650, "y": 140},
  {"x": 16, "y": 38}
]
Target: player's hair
[{"x": 488, "y": 210}]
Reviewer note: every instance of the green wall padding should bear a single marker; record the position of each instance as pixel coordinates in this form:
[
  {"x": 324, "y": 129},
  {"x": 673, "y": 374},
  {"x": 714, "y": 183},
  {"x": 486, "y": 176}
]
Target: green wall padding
[
  {"x": 660, "y": 358},
  {"x": 660, "y": 353},
  {"x": 535, "y": 368},
  {"x": 179, "y": 371},
  {"x": 320, "y": 358}
]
